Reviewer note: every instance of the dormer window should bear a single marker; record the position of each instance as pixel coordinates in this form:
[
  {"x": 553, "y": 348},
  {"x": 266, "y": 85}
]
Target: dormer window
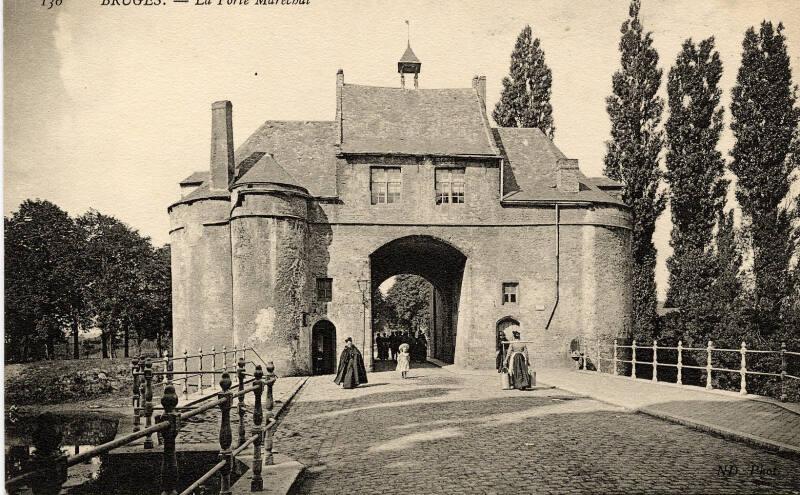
[
  {"x": 385, "y": 184},
  {"x": 449, "y": 186}
]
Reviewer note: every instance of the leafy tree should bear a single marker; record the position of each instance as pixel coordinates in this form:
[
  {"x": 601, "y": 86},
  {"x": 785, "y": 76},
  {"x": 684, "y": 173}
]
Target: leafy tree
[
  {"x": 697, "y": 188},
  {"x": 43, "y": 279},
  {"x": 727, "y": 290},
  {"x": 154, "y": 321},
  {"x": 410, "y": 298},
  {"x": 764, "y": 156},
  {"x": 632, "y": 158},
  {"x": 525, "y": 99},
  {"x": 118, "y": 257}
]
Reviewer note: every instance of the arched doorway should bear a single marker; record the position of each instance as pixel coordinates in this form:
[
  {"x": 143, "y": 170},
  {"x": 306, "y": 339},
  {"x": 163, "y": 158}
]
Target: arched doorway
[
  {"x": 439, "y": 263},
  {"x": 505, "y": 328},
  {"x": 323, "y": 347}
]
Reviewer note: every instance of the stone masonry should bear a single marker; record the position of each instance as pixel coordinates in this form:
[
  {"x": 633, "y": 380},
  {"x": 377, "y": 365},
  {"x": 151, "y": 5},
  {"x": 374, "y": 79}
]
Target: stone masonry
[{"x": 299, "y": 203}]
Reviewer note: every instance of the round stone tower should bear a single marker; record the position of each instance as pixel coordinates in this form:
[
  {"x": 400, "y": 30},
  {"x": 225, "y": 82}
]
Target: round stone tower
[
  {"x": 200, "y": 247},
  {"x": 268, "y": 225}
]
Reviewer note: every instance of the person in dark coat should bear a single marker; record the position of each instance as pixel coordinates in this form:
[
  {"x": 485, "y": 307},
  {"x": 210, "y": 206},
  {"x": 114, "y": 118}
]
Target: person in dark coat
[
  {"x": 352, "y": 371},
  {"x": 422, "y": 342},
  {"x": 381, "y": 346},
  {"x": 395, "y": 344},
  {"x": 499, "y": 354}
]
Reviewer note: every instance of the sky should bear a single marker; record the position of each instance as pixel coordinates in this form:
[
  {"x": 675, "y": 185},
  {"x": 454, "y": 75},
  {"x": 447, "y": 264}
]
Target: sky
[{"x": 109, "y": 107}]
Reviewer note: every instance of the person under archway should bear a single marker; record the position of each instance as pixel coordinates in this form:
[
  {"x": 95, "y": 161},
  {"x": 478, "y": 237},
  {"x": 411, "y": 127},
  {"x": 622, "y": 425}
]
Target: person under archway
[
  {"x": 518, "y": 364},
  {"x": 351, "y": 372}
]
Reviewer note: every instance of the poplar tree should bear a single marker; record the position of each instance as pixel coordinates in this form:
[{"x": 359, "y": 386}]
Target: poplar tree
[
  {"x": 632, "y": 158},
  {"x": 525, "y": 99},
  {"x": 697, "y": 188},
  {"x": 764, "y": 125}
]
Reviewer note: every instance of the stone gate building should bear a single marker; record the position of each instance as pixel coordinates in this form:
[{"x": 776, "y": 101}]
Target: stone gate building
[{"x": 281, "y": 243}]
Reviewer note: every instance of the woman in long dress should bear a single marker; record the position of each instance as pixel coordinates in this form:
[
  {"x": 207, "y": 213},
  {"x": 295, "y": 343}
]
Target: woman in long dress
[
  {"x": 518, "y": 363},
  {"x": 403, "y": 360}
]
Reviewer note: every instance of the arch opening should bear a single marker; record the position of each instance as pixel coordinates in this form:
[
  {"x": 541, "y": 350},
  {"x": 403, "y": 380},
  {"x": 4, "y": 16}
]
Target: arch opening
[
  {"x": 442, "y": 267},
  {"x": 323, "y": 347}
]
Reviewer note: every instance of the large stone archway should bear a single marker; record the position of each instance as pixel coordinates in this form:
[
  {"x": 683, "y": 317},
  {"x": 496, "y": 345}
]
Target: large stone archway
[{"x": 439, "y": 263}]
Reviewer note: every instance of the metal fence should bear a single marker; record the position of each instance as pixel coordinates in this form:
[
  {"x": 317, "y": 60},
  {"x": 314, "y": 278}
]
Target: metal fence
[
  {"x": 50, "y": 464},
  {"x": 616, "y": 359}
]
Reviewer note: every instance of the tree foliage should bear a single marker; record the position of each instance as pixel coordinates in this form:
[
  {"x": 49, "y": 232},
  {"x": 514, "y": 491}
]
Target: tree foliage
[
  {"x": 406, "y": 306},
  {"x": 632, "y": 158},
  {"x": 43, "y": 278},
  {"x": 764, "y": 124},
  {"x": 525, "y": 99},
  {"x": 92, "y": 271},
  {"x": 697, "y": 188}
]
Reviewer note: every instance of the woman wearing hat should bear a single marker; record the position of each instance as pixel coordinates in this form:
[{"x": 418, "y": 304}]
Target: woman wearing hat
[
  {"x": 403, "y": 360},
  {"x": 518, "y": 363}
]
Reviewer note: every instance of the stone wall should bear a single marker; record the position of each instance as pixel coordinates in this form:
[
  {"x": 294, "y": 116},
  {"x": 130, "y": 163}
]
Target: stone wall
[
  {"x": 201, "y": 276},
  {"x": 281, "y": 243}
]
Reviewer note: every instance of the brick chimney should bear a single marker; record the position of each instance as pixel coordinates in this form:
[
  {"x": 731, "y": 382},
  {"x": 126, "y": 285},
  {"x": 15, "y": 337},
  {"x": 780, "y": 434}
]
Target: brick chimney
[
  {"x": 223, "y": 166},
  {"x": 567, "y": 175},
  {"x": 479, "y": 83},
  {"x": 339, "y": 86}
]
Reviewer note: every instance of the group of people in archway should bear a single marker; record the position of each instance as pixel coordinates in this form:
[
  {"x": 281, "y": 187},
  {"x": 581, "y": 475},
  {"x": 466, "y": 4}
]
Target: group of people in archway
[{"x": 388, "y": 344}]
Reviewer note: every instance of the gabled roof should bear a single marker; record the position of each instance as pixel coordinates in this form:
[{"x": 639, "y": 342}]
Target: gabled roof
[
  {"x": 263, "y": 169},
  {"x": 529, "y": 169},
  {"x": 409, "y": 57},
  {"x": 195, "y": 179},
  {"x": 394, "y": 121},
  {"x": 306, "y": 151}
]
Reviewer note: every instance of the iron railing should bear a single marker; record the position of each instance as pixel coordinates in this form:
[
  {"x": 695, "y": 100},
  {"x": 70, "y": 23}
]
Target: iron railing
[
  {"x": 597, "y": 356},
  {"x": 50, "y": 464}
]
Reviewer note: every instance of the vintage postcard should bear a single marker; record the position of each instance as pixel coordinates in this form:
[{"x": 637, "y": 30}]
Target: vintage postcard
[{"x": 415, "y": 247}]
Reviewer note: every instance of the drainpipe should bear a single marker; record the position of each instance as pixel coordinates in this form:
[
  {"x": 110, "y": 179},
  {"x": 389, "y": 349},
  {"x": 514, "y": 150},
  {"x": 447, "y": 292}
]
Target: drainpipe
[{"x": 558, "y": 270}]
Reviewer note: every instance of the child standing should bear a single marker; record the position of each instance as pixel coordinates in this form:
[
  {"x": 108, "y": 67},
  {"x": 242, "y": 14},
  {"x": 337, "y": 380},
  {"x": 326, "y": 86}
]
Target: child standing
[{"x": 403, "y": 360}]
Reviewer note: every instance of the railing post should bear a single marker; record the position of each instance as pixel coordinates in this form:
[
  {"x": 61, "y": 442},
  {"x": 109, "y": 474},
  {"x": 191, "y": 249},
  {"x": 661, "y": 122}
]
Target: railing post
[
  {"x": 135, "y": 399},
  {"x": 256, "y": 482},
  {"x": 680, "y": 363},
  {"x": 186, "y": 375},
  {"x": 213, "y": 365},
  {"x": 585, "y": 353},
  {"x": 169, "y": 461},
  {"x": 240, "y": 377},
  {"x": 633, "y": 359},
  {"x": 783, "y": 372},
  {"x": 225, "y": 435},
  {"x": 743, "y": 370},
  {"x": 200, "y": 369},
  {"x": 269, "y": 382},
  {"x": 170, "y": 367},
  {"x": 597, "y": 346},
  {"x": 148, "y": 401},
  {"x": 709, "y": 347},
  {"x": 615, "y": 357},
  {"x": 224, "y": 358},
  {"x": 48, "y": 459},
  {"x": 655, "y": 361}
]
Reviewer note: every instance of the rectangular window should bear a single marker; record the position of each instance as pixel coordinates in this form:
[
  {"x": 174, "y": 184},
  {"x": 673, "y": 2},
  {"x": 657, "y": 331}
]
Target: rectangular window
[
  {"x": 449, "y": 186},
  {"x": 324, "y": 289},
  {"x": 385, "y": 185},
  {"x": 510, "y": 292}
]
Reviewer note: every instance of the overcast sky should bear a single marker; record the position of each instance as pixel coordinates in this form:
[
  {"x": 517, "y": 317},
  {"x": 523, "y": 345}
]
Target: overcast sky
[{"x": 109, "y": 107}]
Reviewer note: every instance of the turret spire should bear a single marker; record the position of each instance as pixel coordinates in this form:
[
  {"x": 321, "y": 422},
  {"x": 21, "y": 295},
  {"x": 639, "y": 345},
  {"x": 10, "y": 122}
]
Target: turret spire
[{"x": 409, "y": 63}]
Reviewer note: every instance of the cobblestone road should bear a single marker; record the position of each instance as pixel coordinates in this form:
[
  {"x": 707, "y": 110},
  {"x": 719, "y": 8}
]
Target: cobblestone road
[{"x": 445, "y": 433}]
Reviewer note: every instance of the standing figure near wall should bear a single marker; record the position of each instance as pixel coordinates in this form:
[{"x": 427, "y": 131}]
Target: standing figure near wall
[
  {"x": 518, "y": 364},
  {"x": 352, "y": 371}
]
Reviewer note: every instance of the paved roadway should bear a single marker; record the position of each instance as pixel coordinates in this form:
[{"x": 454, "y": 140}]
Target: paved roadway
[{"x": 440, "y": 432}]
